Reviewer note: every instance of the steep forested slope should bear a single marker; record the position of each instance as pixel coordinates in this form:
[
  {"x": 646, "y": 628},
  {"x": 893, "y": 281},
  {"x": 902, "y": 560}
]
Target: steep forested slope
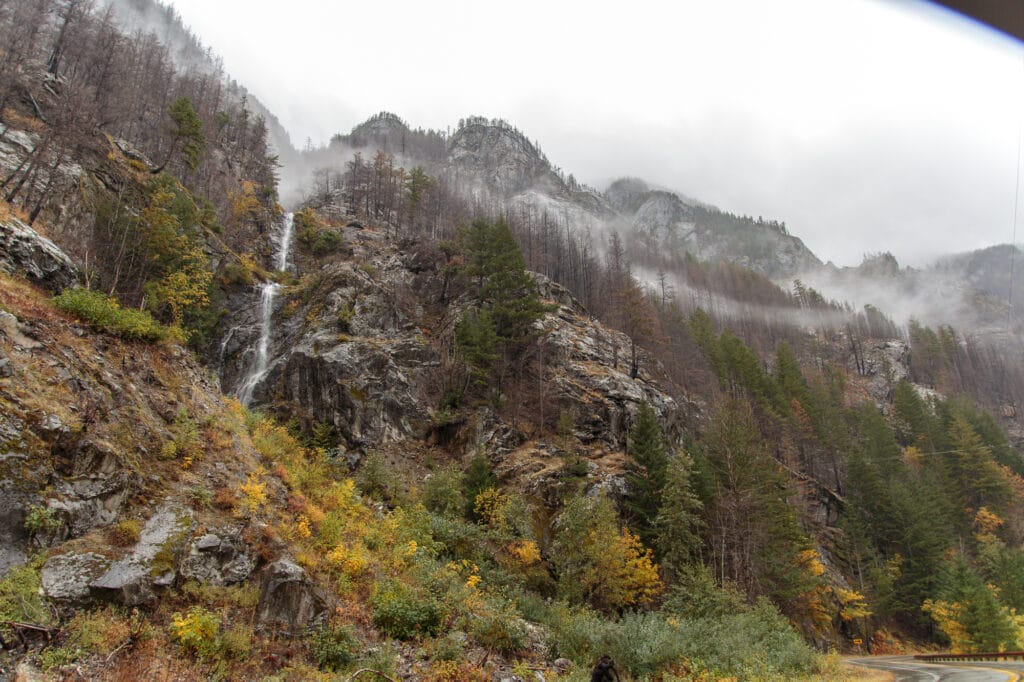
[{"x": 499, "y": 419}]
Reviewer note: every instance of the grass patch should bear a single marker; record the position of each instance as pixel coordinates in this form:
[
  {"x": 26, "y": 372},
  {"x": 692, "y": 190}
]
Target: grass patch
[
  {"x": 21, "y": 597},
  {"x": 106, "y": 314}
]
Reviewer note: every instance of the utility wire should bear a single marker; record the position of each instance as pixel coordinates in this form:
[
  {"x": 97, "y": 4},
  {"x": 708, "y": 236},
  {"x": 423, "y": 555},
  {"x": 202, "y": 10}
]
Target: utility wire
[{"x": 1016, "y": 198}]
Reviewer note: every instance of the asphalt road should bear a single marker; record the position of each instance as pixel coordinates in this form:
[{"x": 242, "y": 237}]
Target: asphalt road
[{"x": 907, "y": 669}]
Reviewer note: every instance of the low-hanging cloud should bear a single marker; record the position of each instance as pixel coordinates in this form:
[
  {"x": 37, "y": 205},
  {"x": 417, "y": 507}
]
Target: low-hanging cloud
[{"x": 865, "y": 126}]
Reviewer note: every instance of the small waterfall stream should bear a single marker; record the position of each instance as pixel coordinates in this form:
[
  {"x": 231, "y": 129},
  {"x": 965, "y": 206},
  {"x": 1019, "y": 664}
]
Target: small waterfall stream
[{"x": 268, "y": 291}]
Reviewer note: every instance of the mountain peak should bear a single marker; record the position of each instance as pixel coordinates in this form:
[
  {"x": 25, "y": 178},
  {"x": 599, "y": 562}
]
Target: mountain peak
[
  {"x": 500, "y": 154},
  {"x": 627, "y": 194}
]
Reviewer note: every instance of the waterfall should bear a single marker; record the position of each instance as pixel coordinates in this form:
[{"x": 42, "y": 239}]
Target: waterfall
[{"x": 268, "y": 290}]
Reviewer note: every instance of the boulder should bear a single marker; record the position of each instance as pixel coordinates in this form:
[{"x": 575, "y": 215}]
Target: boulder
[
  {"x": 127, "y": 581},
  {"x": 76, "y": 454},
  {"x": 152, "y": 563},
  {"x": 289, "y": 599},
  {"x": 23, "y": 251},
  {"x": 67, "y": 577},
  {"x": 220, "y": 557},
  {"x": 12, "y": 328},
  {"x": 91, "y": 502}
]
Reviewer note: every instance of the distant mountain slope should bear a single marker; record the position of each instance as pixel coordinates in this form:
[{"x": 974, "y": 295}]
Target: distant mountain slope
[{"x": 490, "y": 160}]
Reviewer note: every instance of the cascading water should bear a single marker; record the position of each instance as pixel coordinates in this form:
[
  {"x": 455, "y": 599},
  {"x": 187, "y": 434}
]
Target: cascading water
[{"x": 268, "y": 290}]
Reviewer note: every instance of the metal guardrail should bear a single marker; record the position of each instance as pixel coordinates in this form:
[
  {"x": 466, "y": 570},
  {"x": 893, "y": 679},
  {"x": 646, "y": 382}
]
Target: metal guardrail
[{"x": 989, "y": 656}]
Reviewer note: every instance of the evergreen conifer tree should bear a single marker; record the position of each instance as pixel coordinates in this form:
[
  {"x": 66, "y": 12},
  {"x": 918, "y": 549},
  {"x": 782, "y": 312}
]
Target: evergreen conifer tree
[
  {"x": 646, "y": 477},
  {"x": 678, "y": 523}
]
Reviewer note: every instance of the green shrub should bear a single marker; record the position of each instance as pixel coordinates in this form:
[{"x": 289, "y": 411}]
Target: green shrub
[
  {"x": 334, "y": 648},
  {"x": 697, "y": 595},
  {"x": 326, "y": 242},
  {"x": 200, "y": 496},
  {"x": 380, "y": 658},
  {"x": 461, "y": 539},
  {"x": 197, "y": 631},
  {"x": 450, "y": 647},
  {"x": 58, "y": 657},
  {"x": 639, "y": 643},
  {"x": 106, "y": 314},
  {"x": 758, "y": 642},
  {"x": 238, "y": 273},
  {"x": 236, "y": 643},
  {"x": 644, "y": 643},
  {"x": 725, "y": 636},
  {"x": 748, "y": 643},
  {"x": 576, "y": 634},
  {"x": 42, "y": 521},
  {"x": 345, "y": 316},
  {"x": 442, "y": 492},
  {"x": 405, "y": 612},
  {"x": 376, "y": 479},
  {"x": 498, "y": 627},
  {"x": 313, "y": 233}
]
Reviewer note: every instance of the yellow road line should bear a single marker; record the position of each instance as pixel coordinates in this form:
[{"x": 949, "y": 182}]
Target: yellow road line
[{"x": 1014, "y": 675}]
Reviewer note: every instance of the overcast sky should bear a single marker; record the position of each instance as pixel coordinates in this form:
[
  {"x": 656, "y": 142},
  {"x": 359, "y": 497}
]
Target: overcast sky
[{"x": 866, "y": 125}]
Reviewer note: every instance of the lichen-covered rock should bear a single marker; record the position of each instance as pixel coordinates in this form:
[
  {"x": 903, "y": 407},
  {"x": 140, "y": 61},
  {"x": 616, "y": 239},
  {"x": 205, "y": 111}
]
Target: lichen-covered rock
[
  {"x": 91, "y": 501},
  {"x": 152, "y": 563},
  {"x": 23, "y": 251},
  {"x": 67, "y": 577},
  {"x": 289, "y": 600},
  {"x": 219, "y": 557},
  {"x": 12, "y": 328},
  {"x": 76, "y": 454}
]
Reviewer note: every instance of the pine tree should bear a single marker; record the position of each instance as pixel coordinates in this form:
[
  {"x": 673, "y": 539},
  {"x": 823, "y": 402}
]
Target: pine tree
[
  {"x": 416, "y": 186},
  {"x": 915, "y": 423},
  {"x": 678, "y": 523},
  {"x": 755, "y": 537},
  {"x": 980, "y": 479},
  {"x": 188, "y": 134},
  {"x": 476, "y": 343},
  {"x": 646, "y": 476},
  {"x": 969, "y": 612},
  {"x": 504, "y": 286}
]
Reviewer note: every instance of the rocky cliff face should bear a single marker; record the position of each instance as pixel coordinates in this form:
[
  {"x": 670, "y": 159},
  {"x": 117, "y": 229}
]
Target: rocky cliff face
[
  {"x": 24, "y": 252},
  {"x": 84, "y": 418},
  {"x": 363, "y": 343},
  {"x": 500, "y": 159}
]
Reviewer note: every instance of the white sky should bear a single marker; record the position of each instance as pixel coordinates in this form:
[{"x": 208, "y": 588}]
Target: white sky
[{"x": 867, "y": 125}]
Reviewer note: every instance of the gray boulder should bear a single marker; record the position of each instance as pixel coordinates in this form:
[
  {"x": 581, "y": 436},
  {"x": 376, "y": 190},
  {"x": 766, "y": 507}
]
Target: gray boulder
[
  {"x": 152, "y": 563},
  {"x": 66, "y": 577},
  {"x": 90, "y": 503},
  {"x": 289, "y": 599},
  {"x": 219, "y": 557},
  {"x": 23, "y": 251}
]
